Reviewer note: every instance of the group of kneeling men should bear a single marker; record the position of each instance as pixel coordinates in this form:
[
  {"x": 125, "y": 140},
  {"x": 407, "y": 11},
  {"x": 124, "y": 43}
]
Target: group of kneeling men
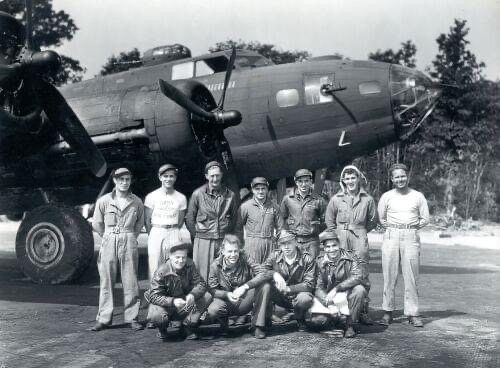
[{"x": 248, "y": 259}]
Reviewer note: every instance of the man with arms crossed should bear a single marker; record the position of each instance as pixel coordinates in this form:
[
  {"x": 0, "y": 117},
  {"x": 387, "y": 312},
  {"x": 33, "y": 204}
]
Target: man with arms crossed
[{"x": 402, "y": 212}]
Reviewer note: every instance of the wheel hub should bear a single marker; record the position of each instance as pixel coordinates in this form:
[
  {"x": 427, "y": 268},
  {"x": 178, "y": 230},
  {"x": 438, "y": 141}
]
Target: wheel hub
[{"x": 45, "y": 245}]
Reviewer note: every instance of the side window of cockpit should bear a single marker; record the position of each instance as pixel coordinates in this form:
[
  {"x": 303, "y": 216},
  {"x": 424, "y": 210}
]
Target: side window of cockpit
[
  {"x": 182, "y": 71},
  {"x": 312, "y": 88},
  {"x": 203, "y": 69},
  {"x": 287, "y": 97}
]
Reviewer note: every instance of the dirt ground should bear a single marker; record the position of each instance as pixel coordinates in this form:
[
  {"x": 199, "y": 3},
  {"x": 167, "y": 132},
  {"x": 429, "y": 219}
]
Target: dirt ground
[{"x": 47, "y": 326}]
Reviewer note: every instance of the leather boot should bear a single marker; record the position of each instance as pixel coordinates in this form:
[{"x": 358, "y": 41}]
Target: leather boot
[{"x": 386, "y": 319}]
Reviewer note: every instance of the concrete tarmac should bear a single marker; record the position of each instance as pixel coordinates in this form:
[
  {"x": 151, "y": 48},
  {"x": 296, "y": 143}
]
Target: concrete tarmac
[{"x": 47, "y": 326}]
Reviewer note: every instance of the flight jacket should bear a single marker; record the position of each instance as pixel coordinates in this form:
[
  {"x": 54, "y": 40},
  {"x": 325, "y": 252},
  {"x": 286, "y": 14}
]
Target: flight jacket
[
  {"x": 211, "y": 215},
  {"x": 168, "y": 284}
]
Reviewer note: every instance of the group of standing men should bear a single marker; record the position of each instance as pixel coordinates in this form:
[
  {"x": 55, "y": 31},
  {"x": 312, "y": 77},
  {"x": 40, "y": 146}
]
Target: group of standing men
[{"x": 279, "y": 262}]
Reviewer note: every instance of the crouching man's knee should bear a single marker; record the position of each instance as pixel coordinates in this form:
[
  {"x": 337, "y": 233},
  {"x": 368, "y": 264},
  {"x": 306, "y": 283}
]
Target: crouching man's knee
[
  {"x": 303, "y": 300},
  {"x": 159, "y": 316},
  {"x": 358, "y": 292}
]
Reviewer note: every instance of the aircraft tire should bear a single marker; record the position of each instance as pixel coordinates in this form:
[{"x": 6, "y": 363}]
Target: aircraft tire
[{"x": 54, "y": 245}]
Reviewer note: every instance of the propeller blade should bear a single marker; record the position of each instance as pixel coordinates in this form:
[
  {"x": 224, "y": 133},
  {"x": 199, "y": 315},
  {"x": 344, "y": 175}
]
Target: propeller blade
[
  {"x": 224, "y": 156},
  {"x": 229, "y": 71},
  {"x": 69, "y": 126},
  {"x": 182, "y": 100},
  {"x": 29, "y": 24}
]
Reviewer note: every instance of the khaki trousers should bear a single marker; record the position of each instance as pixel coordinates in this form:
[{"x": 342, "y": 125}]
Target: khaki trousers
[
  {"x": 118, "y": 250},
  {"x": 401, "y": 246}
]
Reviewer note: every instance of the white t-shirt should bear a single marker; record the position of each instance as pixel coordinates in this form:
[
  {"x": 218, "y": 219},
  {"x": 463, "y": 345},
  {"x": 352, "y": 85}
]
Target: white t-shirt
[
  {"x": 165, "y": 207},
  {"x": 403, "y": 209}
]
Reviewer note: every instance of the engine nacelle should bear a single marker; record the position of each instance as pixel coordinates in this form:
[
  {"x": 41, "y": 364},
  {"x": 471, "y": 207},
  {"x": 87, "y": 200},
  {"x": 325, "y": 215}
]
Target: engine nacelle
[{"x": 173, "y": 123}]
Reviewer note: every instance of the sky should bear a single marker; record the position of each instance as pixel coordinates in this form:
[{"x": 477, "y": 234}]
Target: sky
[{"x": 353, "y": 28}]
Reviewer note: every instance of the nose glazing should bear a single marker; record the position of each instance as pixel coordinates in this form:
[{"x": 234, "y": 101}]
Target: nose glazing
[{"x": 413, "y": 97}]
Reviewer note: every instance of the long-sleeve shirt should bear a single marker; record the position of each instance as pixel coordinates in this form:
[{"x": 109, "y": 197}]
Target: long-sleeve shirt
[
  {"x": 168, "y": 284},
  {"x": 259, "y": 221},
  {"x": 223, "y": 280},
  {"x": 346, "y": 209},
  {"x": 345, "y": 273},
  {"x": 299, "y": 276},
  {"x": 303, "y": 215},
  {"x": 211, "y": 215},
  {"x": 130, "y": 218},
  {"x": 403, "y": 209}
]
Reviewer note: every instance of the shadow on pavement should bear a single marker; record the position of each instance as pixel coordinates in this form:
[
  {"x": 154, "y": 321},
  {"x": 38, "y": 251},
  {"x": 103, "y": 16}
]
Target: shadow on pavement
[
  {"x": 446, "y": 270},
  {"x": 16, "y": 287}
]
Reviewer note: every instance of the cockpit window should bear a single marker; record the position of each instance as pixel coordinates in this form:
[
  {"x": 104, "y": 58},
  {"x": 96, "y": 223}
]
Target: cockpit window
[
  {"x": 413, "y": 97},
  {"x": 251, "y": 61},
  {"x": 182, "y": 71},
  {"x": 312, "y": 88},
  {"x": 202, "y": 68}
]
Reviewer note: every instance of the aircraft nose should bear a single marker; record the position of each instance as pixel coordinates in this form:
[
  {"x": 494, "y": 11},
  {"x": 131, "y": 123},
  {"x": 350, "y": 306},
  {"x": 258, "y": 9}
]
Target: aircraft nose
[{"x": 413, "y": 97}]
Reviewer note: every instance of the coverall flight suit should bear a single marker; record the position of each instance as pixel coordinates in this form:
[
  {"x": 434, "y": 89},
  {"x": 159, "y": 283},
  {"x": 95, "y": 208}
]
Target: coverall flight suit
[{"x": 119, "y": 248}]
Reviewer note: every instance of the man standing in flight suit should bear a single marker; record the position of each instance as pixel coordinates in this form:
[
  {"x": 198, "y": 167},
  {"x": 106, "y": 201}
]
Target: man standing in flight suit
[
  {"x": 118, "y": 219},
  {"x": 303, "y": 212},
  {"x": 261, "y": 218},
  {"x": 352, "y": 213}
]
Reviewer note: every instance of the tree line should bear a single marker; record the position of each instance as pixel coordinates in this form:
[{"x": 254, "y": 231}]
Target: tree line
[{"x": 453, "y": 156}]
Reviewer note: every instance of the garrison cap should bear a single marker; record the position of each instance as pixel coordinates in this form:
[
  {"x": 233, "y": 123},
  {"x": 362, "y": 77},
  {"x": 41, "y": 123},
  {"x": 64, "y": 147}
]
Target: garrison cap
[
  {"x": 328, "y": 235},
  {"x": 259, "y": 180},
  {"x": 285, "y": 236},
  {"x": 397, "y": 167},
  {"x": 302, "y": 172},
  {"x": 120, "y": 172},
  {"x": 167, "y": 167},
  {"x": 212, "y": 164},
  {"x": 181, "y": 246}
]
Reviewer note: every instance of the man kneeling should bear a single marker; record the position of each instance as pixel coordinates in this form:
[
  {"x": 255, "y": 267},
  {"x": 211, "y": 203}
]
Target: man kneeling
[
  {"x": 340, "y": 271},
  {"x": 236, "y": 283},
  {"x": 294, "y": 278},
  {"x": 177, "y": 293}
]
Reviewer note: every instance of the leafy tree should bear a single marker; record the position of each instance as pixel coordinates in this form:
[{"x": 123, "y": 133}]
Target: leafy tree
[
  {"x": 404, "y": 56},
  {"x": 460, "y": 137},
  {"x": 270, "y": 51},
  {"x": 124, "y": 61},
  {"x": 50, "y": 29}
]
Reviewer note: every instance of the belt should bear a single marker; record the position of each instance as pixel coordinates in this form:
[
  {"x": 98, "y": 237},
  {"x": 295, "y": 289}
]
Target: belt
[
  {"x": 395, "y": 226},
  {"x": 350, "y": 227},
  {"x": 250, "y": 235},
  {"x": 167, "y": 226},
  {"x": 117, "y": 230}
]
